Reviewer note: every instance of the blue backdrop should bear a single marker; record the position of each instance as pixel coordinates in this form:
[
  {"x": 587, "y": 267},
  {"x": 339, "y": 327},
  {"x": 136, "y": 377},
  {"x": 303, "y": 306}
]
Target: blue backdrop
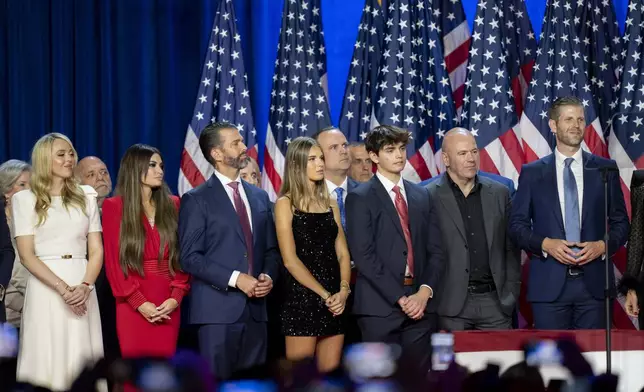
[{"x": 111, "y": 73}]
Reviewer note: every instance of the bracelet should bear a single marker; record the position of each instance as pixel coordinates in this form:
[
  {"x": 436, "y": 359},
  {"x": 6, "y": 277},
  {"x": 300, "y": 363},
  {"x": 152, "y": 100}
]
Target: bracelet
[
  {"x": 345, "y": 284},
  {"x": 326, "y": 295}
]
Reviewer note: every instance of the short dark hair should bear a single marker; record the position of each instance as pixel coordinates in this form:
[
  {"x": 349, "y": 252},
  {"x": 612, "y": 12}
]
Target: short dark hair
[
  {"x": 384, "y": 135},
  {"x": 555, "y": 109},
  {"x": 317, "y": 134},
  {"x": 356, "y": 144},
  {"x": 211, "y": 137}
]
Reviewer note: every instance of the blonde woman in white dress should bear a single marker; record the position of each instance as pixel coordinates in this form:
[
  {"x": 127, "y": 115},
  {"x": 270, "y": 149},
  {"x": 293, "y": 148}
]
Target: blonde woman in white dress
[{"x": 58, "y": 236}]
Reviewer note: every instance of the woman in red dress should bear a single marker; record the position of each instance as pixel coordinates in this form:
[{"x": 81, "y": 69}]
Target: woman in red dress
[{"x": 142, "y": 257}]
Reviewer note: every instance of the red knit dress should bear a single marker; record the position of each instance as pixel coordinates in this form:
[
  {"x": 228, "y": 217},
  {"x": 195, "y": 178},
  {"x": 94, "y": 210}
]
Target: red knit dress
[{"x": 137, "y": 336}]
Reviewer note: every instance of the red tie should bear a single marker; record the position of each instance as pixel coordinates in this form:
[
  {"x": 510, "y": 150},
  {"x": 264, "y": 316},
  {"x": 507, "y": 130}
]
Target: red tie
[
  {"x": 403, "y": 214},
  {"x": 240, "y": 207}
]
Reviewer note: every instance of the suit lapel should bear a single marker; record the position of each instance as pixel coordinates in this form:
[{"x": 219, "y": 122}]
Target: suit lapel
[
  {"x": 254, "y": 213},
  {"x": 223, "y": 205},
  {"x": 446, "y": 196},
  {"x": 387, "y": 203},
  {"x": 587, "y": 161},
  {"x": 552, "y": 190},
  {"x": 487, "y": 204}
]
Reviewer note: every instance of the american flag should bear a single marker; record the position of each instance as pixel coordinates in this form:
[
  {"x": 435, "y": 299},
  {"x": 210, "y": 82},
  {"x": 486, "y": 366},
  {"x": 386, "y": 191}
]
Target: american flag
[
  {"x": 298, "y": 100},
  {"x": 488, "y": 105},
  {"x": 223, "y": 96},
  {"x": 455, "y": 36},
  {"x": 559, "y": 71},
  {"x": 413, "y": 85},
  {"x": 601, "y": 44},
  {"x": 625, "y": 137},
  {"x": 360, "y": 92},
  {"x": 521, "y": 49}
]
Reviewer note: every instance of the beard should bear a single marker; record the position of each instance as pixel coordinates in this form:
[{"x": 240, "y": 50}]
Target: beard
[
  {"x": 236, "y": 162},
  {"x": 573, "y": 140}
]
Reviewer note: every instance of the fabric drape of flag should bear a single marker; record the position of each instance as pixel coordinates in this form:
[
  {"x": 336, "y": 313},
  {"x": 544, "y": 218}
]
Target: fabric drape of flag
[
  {"x": 521, "y": 49},
  {"x": 223, "y": 96},
  {"x": 298, "y": 99},
  {"x": 455, "y": 36},
  {"x": 601, "y": 44},
  {"x": 488, "y": 105},
  {"x": 413, "y": 86},
  {"x": 360, "y": 91},
  {"x": 559, "y": 71}
]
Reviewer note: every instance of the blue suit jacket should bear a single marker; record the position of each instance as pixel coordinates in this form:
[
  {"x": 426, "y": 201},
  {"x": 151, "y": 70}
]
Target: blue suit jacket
[
  {"x": 212, "y": 247},
  {"x": 379, "y": 249},
  {"x": 7, "y": 255},
  {"x": 503, "y": 180},
  {"x": 536, "y": 214}
]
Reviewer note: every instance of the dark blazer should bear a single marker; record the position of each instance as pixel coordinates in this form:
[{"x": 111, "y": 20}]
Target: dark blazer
[
  {"x": 351, "y": 185},
  {"x": 505, "y": 258},
  {"x": 536, "y": 214},
  {"x": 7, "y": 256},
  {"x": 633, "y": 278},
  {"x": 503, "y": 180},
  {"x": 212, "y": 247},
  {"x": 379, "y": 249}
]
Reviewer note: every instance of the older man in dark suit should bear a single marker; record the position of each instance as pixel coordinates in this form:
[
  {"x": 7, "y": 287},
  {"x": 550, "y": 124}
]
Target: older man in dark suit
[{"x": 481, "y": 285}]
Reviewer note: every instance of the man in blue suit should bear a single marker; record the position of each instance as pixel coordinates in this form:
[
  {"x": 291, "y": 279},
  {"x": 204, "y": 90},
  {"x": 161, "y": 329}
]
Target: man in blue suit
[
  {"x": 7, "y": 256},
  {"x": 503, "y": 180},
  {"x": 228, "y": 245},
  {"x": 557, "y": 215}
]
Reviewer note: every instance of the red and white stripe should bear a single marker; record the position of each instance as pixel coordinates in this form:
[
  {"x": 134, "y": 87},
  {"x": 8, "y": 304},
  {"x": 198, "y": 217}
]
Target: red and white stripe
[
  {"x": 456, "y": 48},
  {"x": 194, "y": 169}
]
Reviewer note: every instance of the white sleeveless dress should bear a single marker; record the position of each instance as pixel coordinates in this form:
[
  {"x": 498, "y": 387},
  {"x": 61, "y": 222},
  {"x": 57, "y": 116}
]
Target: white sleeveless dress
[{"x": 55, "y": 344}]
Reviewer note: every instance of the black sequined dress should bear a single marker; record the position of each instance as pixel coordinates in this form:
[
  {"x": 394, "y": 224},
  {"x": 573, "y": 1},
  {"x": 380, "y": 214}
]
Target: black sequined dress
[{"x": 303, "y": 312}]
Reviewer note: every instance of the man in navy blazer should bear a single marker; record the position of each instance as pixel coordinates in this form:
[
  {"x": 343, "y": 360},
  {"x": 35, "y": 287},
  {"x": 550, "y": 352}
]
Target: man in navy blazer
[
  {"x": 503, "y": 180},
  {"x": 7, "y": 257},
  {"x": 393, "y": 231},
  {"x": 228, "y": 245},
  {"x": 557, "y": 215}
]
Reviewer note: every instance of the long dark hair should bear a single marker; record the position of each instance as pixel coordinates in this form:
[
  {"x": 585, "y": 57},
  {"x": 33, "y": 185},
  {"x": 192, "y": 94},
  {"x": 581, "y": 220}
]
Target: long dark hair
[{"x": 134, "y": 167}]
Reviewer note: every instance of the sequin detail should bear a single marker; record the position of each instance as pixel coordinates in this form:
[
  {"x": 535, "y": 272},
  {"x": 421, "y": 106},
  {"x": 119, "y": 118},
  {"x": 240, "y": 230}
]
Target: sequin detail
[{"x": 303, "y": 312}]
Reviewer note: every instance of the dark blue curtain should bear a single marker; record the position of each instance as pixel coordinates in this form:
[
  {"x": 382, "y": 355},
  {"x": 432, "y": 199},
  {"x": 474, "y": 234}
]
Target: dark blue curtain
[{"x": 111, "y": 73}]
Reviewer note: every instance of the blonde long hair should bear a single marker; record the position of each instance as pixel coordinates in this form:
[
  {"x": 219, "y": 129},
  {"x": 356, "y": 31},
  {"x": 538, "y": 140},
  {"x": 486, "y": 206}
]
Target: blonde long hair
[
  {"x": 41, "y": 177},
  {"x": 296, "y": 182}
]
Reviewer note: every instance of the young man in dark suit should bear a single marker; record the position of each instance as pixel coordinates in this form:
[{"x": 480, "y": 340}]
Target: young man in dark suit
[
  {"x": 394, "y": 238},
  {"x": 557, "y": 215}
]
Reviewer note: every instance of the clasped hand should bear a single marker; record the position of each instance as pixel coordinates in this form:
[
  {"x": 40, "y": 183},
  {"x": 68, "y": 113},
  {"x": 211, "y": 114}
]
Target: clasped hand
[
  {"x": 154, "y": 313},
  {"x": 414, "y": 305},
  {"x": 255, "y": 287},
  {"x": 562, "y": 251},
  {"x": 75, "y": 297},
  {"x": 337, "y": 302}
]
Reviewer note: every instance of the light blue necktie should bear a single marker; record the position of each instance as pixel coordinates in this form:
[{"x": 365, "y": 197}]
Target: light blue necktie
[
  {"x": 338, "y": 192},
  {"x": 571, "y": 204}
]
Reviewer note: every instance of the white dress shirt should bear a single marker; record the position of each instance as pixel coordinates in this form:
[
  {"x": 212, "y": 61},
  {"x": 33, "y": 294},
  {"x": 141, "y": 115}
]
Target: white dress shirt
[
  {"x": 577, "y": 167},
  {"x": 332, "y": 187},
  {"x": 232, "y": 282},
  {"x": 389, "y": 186}
]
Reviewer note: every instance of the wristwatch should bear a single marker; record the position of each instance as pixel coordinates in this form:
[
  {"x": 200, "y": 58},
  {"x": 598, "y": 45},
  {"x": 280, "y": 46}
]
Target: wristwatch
[{"x": 90, "y": 286}]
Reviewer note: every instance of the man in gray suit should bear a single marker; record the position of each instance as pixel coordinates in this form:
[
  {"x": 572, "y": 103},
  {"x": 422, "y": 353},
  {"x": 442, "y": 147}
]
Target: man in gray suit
[{"x": 481, "y": 284}]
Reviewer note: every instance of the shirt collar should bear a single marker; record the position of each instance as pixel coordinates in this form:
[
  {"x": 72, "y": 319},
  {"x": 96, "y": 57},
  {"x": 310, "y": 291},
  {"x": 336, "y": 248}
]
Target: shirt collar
[
  {"x": 560, "y": 158},
  {"x": 225, "y": 180},
  {"x": 332, "y": 187},
  {"x": 389, "y": 186},
  {"x": 477, "y": 183}
]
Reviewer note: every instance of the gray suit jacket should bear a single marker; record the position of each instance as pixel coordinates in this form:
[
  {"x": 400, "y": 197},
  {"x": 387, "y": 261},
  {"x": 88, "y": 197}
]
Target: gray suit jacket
[{"x": 505, "y": 258}]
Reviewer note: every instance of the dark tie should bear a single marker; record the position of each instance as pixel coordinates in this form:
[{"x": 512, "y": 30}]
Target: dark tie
[
  {"x": 343, "y": 218},
  {"x": 571, "y": 204},
  {"x": 240, "y": 207},
  {"x": 403, "y": 214}
]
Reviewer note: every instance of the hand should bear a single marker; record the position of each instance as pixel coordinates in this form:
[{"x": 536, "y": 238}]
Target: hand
[
  {"x": 79, "y": 295},
  {"x": 632, "y": 305},
  {"x": 79, "y": 310},
  {"x": 150, "y": 312},
  {"x": 560, "y": 250},
  {"x": 337, "y": 302},
  {"x": 416, "y": 304},
  {"x": 264, "y": 286},
  {"x": 247, "y": 284},
  {"x": 168, "y": 306},
  {"x": 589, "y": 251}
]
